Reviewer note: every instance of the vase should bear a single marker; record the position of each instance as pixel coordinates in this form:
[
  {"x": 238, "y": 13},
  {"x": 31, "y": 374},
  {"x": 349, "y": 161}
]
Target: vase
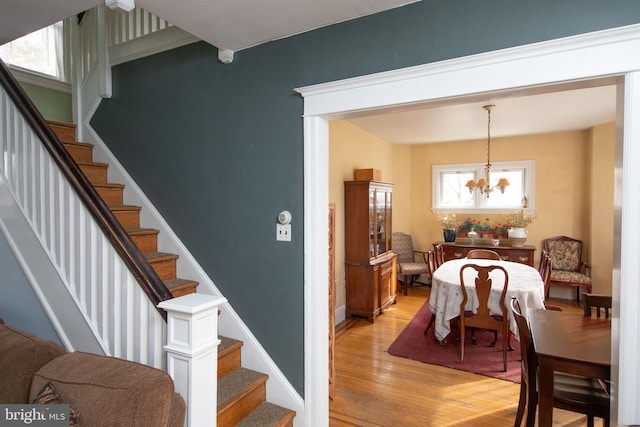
[
  {"x": 518, "y": 236},
  {"x": 450, "y": 234},
  {"x": 472, "y": 235}
]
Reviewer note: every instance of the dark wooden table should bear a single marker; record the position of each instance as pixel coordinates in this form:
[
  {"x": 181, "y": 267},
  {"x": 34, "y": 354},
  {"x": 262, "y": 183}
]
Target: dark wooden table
[{"x": 571, "y": 343}]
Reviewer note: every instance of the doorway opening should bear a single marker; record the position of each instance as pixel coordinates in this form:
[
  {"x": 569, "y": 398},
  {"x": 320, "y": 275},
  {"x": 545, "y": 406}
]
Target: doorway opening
[{"x": 543, "y": 66}]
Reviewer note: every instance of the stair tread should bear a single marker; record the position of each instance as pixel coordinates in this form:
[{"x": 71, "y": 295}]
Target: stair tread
[
  {"x": 267, "y": 415},
  {"x": 93, "y": 164},
  {"x": 237, "y": 383},
  {"x": 160, "y": 256},
  {"x": 78, "y": 143},
  {"x": 142, "y": 231},
  {"x": 125, "y": 208},
  {"x": 62, "y": 124},
  {"x": 109, "y": 185},
  {"x": 228, "y": 344},
  {"x": 177, "y": 283}
]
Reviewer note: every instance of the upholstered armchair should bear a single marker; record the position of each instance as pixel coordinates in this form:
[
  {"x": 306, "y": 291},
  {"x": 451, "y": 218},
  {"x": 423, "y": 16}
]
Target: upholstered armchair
[
  {"x": 410, "y": 263},
  {"x": 567, "y": 266}
]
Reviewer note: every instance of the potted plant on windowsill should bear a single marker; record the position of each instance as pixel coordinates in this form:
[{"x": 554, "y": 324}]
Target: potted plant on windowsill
[
  {"x": 518, "y": 222},
  {"x": 449, "y": 225},
  {"x": 465, "y": 227},
  {"x": 484, "y": 229},
  {"x": 501, "y": 230}
]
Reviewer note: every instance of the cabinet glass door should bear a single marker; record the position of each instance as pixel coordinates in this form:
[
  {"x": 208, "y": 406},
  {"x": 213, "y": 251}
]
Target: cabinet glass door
[
  {"x": 389, "y": 212},
  {"x": 372, "y": 223},
  {"x": 381, "y": 222}
]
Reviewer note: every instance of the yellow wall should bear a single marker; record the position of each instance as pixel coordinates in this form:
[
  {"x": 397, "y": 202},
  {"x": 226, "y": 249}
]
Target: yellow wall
[
  {"x": 602, "y": 181},
  {"x": 570, "y": 167},
  {"x": 561, "y": 166},
  {"x": 351, "y": 148}
]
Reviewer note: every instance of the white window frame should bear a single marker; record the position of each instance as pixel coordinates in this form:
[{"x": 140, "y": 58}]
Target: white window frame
[
  {"x": 529, "y": 167},
  {"x": 24, "y": 75}
]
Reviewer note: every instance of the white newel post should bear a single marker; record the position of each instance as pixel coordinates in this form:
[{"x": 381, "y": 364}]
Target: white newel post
[{"x": 192, "y": 354}]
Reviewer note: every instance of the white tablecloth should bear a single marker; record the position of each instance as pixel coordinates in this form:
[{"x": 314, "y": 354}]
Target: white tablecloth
[{"x": 446, "y": 295}]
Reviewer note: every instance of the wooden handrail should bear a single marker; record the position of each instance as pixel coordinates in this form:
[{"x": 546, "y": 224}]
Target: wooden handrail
[{"x": 137, "y": 264}]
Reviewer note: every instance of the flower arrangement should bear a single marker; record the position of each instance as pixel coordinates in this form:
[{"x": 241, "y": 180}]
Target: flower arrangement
[
  {"x": 467, "y": 225},
  {"x": 500, "y": 230},
  {"x": 484, "y": 225},
  {"x": 448, "y": 221},
  {"x": 518, "y": 219}
]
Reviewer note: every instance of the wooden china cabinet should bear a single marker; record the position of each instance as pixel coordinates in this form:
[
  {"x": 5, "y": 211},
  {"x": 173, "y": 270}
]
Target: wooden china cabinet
[{"x": 369, "y": 263}]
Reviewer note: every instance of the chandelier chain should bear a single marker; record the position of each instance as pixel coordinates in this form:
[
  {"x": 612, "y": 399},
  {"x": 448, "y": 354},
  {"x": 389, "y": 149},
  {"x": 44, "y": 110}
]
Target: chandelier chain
[
  {"x": 484, "y": 184},
  {"x": 488, "y": 108}
]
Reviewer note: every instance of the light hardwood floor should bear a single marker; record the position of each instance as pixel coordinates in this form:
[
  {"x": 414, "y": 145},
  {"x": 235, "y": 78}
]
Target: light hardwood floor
[{"x": 377, "y": 389}]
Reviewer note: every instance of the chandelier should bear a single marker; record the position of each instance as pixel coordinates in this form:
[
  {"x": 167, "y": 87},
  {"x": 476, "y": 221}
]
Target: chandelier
[{"x": 484, "y": 184}]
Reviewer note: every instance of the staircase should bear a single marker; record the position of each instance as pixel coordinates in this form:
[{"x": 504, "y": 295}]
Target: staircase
[
  {"x": 164, "y": 264},
  {"x": 241, "y": 391}
]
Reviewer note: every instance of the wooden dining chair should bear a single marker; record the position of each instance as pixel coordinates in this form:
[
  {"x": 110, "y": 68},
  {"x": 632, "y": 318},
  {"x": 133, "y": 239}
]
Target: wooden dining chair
[
  {"x": 439, "y": 251},
  {"x": 431, "y": 263},
  {"x": 483, "y": 319},
  {"x": 543, "y": 254},
  {"x": 572, "y": 393},
  {"x": 545, "y": 271},
  {"x": 483, "y": 254},
  {"x": 597, "y": 301}
]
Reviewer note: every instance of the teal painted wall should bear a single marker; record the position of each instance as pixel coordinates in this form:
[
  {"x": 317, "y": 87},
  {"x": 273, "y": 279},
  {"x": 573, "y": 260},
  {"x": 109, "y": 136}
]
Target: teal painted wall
[
  {"x": 23, "y": 300},
  {"x": 52, "y": 104},
  {"x": 219, "y": 148}
]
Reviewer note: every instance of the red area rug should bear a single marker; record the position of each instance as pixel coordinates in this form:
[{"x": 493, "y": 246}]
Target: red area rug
[{"x": 481, "y": 359}]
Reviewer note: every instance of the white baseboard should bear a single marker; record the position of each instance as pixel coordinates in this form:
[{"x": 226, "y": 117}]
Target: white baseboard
[{"x": 341, "y": 314}]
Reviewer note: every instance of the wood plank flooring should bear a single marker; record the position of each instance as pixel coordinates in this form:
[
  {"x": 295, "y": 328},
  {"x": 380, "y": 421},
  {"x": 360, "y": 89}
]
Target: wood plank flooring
[{"x": 377, "y": 389}]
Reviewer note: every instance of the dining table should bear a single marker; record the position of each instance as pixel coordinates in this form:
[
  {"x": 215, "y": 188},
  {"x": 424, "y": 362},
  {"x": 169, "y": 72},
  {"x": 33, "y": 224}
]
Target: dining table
[
  {"x": 571, "y": 343},
  {"x": 525, "y": 284}
]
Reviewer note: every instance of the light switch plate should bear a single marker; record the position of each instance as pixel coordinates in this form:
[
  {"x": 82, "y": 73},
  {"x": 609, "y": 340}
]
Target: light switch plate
[{"x": 283, "y": 232}]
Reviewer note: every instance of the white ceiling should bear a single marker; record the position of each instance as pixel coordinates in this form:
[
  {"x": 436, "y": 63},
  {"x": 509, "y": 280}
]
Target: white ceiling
[
  {"x": 575, "y": 109},
  {"x": 226, "y": 24},
  {"x": 238, "y": 24}
]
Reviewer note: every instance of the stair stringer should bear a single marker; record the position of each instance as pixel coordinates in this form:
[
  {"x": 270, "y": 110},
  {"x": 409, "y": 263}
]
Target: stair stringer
[{"x": 279, "y": 389}]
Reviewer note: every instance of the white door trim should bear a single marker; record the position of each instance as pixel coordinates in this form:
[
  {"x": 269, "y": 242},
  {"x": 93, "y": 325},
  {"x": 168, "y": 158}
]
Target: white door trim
[{"x": 590, "y": 56}]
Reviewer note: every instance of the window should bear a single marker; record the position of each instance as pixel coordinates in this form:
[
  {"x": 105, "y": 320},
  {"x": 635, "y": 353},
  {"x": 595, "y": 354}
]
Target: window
[
  {"x": 451, "y": 194},
  {"x": 41, "y": 52}
]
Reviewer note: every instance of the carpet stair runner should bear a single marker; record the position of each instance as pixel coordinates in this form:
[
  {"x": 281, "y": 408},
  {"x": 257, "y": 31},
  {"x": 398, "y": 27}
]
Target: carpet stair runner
[{"x": 241, "y": 392}]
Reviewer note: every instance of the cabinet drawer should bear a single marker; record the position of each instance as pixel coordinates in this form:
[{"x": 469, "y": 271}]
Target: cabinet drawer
[
  {"x": 454, "y": 253},
  {"x": 385, "y": 269},
  {"x": 522, "y": 257}
]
